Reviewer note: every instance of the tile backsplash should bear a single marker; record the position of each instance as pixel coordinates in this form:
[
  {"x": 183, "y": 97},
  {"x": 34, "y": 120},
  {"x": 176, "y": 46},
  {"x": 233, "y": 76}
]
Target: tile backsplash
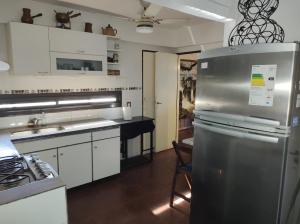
[
  {"x": 51, "y": 118},
  {"x": 82, "y": 90}
]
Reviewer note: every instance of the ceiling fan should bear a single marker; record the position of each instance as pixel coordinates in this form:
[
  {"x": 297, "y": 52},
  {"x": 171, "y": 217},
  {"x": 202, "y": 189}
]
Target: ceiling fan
[{"x": 147, "y": 19}]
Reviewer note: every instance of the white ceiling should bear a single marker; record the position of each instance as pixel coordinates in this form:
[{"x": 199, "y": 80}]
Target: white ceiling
[{"x": 133, "y": 9}]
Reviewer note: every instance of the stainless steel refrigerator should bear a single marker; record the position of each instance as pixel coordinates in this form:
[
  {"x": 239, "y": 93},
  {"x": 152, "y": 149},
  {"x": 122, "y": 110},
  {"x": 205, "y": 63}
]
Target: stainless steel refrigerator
[{"x": 247, "y": 136}]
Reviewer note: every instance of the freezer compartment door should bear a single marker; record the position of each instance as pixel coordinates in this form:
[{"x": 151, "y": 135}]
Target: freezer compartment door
[
  {"x": 224, "y": 84},
  {"x": 236, "y": 176}
]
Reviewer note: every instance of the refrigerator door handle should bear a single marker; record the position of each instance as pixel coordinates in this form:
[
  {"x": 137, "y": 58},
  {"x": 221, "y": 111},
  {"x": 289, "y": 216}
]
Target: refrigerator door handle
[
  {"x": 237, "y": 134},
  {"x": 237, "y": 118}
]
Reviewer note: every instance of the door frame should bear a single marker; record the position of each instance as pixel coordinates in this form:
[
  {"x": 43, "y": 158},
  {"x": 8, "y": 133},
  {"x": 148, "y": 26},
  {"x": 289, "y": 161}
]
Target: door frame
[
  {"x": 178, "y": 79},
  {"x": 177, "y": 97},
  {"x": 150, "y": 51}
]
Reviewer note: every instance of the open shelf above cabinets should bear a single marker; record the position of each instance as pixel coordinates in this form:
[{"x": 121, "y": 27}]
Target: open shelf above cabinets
[{"x": 113, "y": 56}]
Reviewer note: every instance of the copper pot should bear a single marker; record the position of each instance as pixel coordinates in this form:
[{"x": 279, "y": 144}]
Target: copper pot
[
  {"x": 62, "y": 17},
  {"x": 88, "y": 28},
  {"x": 27, "y": 18}
]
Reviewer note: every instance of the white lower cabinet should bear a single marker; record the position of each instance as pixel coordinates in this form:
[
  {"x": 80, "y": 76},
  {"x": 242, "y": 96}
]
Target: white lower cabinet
[
  {"x": 49, "y": 156},
  {"x": 106, "y": 158},
  {"x": 75, "y": 164}
]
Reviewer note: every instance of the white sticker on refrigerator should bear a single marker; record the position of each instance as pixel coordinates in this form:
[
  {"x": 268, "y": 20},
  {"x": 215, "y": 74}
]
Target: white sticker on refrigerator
[
  {"x": 262, "y": 85},
  {"x": 298, "y": 101},
  {"x": 204, "y": 65}
]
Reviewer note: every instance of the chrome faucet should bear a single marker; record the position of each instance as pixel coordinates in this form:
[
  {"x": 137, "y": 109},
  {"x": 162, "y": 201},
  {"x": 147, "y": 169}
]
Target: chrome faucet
[{"x": 34, "y": 122}]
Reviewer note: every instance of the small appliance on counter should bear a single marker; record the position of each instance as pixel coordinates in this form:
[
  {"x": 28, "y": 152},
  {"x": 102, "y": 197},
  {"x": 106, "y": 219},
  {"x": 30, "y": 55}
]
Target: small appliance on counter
[{"x": 127, "y": 112}]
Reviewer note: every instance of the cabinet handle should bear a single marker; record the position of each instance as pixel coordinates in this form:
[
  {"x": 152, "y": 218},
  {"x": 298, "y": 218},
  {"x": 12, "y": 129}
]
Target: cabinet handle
[
  {"x": 95, "y": 147},
  {"x": 43, "y": 72},
  {"x": 54, "y": 156},
  {"x": 82, "y": 73},
  {"x": 61, "y": 154},
  {"x": 81, "y": 51}
]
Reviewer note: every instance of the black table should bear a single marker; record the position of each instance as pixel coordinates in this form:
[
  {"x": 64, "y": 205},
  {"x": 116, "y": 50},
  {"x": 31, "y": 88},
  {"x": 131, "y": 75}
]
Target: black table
[{"x": 138, "y": 126}]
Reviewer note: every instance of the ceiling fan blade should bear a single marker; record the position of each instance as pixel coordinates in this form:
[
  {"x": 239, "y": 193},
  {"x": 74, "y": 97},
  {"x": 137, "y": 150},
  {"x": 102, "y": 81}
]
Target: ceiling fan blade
[
  {"x": 152, "y": 10},
  {"x": 126, "y": 18},
  {"x": 173, "y": 21}
]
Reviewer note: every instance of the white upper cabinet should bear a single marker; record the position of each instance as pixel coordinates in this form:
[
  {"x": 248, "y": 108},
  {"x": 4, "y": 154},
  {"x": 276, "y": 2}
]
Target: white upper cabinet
[
  {"x": 29, "y": 49},
  {"x": 69, "y": 41}
]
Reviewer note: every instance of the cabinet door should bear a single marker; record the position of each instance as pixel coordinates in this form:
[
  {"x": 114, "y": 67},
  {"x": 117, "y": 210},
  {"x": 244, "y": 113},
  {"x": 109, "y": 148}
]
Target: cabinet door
[
  {"x": 49, "y": 156},
  {"x": 78, "y": 64},
  {"x": 106, "y": 158},
  {"x": 29, "y": 48},
  {"x": 70, "y": 41},
  {"x": 75, "y": 164}
]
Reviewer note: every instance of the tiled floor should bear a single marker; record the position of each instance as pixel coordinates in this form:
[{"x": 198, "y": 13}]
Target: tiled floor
[{"x": 139, "y": 195}]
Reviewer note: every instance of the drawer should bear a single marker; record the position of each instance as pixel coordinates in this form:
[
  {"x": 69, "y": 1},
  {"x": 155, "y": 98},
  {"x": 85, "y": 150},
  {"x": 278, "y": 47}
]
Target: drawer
[
  {"x": 109, "y": 133},
  {"x": 51, "y": 142}
]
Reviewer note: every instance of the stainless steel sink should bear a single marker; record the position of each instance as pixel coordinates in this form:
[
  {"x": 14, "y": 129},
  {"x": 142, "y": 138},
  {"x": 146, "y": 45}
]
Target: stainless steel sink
[
  {"x": 34, "y": 132},
  {"x": 42, "y": 131}
]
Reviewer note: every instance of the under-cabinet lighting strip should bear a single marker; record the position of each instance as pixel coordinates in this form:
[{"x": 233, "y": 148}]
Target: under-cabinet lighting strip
[
  {"x": 20, "y": 105},
  {"x": 54, "y": 103},
  {"x": 95, "y": 100}
]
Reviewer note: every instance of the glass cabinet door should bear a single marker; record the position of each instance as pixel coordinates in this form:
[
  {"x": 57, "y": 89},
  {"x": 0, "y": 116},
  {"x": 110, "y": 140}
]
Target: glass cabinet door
[{"x": 78, "y": 64}]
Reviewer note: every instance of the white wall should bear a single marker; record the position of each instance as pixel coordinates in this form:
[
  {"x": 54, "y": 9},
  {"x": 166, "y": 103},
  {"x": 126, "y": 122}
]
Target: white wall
[
  {"x": 206, "y": 36},
  {"x": 220, "y": 7},
  {"x": 203, "y": 34}
]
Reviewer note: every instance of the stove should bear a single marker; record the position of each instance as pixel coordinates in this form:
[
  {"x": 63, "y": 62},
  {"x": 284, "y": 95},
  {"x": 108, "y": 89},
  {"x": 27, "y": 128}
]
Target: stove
[{"x": 16, "y": 171}]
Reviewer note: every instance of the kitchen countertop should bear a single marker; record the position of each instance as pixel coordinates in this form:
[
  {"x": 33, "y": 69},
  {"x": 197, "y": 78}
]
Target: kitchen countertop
[
  {"x": 63, "y": 128},
  {"x": 66, "y": 128},
  {"x": 7, "y": 148}
]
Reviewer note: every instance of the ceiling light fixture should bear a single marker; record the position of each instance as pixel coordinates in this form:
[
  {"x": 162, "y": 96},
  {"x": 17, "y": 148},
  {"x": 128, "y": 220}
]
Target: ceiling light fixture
[
  {"x": 24, "y": 105},
  {"x": 4, "y": 66},
  {"x": 207, "y": 14},
  {"x": 95, "y": 100},
  {"x": 145, "y": 26}
]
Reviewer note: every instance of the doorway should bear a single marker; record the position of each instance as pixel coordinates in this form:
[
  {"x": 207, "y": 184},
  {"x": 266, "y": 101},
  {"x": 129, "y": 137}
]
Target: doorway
[{"x": 187, "y": 94}]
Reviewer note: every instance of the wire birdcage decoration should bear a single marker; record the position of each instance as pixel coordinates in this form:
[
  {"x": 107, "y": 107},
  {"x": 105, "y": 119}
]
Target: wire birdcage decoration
[{"x": 257, "y": 26}]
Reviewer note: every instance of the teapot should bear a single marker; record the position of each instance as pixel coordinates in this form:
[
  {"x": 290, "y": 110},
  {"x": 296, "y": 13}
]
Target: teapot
[
  {"x": 27, "y": 18},
  {"x": 109, "y": 31}
]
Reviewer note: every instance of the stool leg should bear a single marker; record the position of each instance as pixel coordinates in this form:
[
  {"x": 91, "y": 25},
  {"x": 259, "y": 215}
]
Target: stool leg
[
  {"x": 188, "y": 180},
  {"x": 142, "y": 144},
  {"x": 173, "y": 188},
  {"x": 151, "y": 146}
]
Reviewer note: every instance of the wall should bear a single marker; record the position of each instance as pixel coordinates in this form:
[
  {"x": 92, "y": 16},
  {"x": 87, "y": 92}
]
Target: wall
[
  {"x": 130, "y": 63},
  {"x": 201, "y": 37},
  {"x": 220, "y": 7}
]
